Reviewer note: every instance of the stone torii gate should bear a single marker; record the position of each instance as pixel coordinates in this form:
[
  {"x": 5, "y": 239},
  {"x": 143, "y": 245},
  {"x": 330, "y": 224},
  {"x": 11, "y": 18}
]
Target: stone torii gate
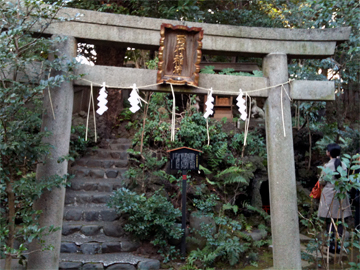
[{"x": 276, "y": 46}]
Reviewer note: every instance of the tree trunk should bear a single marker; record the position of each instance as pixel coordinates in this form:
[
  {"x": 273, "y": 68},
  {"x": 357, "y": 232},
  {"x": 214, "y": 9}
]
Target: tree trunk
[{"x": 111, "y": 56}]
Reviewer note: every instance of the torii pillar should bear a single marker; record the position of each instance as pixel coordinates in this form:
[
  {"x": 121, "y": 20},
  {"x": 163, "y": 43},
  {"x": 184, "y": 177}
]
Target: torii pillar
[
  {"x": 51, "y": 203},
  {"x": 281, "y": 167}
]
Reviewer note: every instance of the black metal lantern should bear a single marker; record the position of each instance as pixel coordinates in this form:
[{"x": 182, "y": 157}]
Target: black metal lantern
[{"x": 184, "y": 159}]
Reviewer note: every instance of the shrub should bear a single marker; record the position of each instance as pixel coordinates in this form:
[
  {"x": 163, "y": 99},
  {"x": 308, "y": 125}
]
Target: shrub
[{"x": 150, "y": 218}]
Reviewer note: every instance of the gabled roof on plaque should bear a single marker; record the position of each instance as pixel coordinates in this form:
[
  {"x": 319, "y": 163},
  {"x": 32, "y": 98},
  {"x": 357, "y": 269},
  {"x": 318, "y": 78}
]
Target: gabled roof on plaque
[{"x": 171, "y": 150}]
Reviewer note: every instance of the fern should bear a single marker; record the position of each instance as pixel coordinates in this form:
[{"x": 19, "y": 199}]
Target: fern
[
  {"x": 258, "y": 73},
  {"x": 244, "y": 235},
  {"x": 217, "y": 158},
  {"x": 233, "y": 249},
  {"x": 255, "y": 209},
  {"x": 232, "y": 175},
  {"x": 231, "y": 179},
  {"x": 205, "y": 170},
  {"x": 229, "y": 170},
  {"x": 208, "y": 70},
  {"x": 227, "y": 71}
]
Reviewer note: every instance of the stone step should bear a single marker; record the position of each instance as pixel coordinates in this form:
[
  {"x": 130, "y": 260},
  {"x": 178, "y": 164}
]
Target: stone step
[
  {"x": 104, "y": 163},
  {"x": 106, "y": 153},
  {"x": 86, "y": 197},
  {"x": 120, "y": 146},
  {"x": 96, "y": 184},
  {"x": 120, "y": 140},
  {"x": 97, "y": 244},
  {"x": 97, "y": 172},
  {"x": 73, "y": 228},
  {"x": 107, "y": 142},
  {"x": 111, "y": 261},
  {"x": 98, "y": 212}
]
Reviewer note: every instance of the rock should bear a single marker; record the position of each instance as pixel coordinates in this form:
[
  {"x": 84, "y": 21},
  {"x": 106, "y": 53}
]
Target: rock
[
  {"x": 100, "y": 198},
  {"x": 69, "y": 199},
  {"x": 107, "y": 187},
  {"x": 114, "y": 229},
  {"x": 115, "y": 155},
  {"x": 96, "y": 266},
  {"x": 82, "y": 114},
  {"x": 81, "y": 162},
  {"x": 69, "y": 229},
  {"x": 112, "y": 173},
  {"x": 68, "y": 247},
  {"x": 92, "y": 215},
  {"x": 111, "y": 247},
  {"x": 108, "y": 215},
  {"x": 81, "y": 172},
  {"x": 70, "y": 265},
  {"x": 89, "y": 186},
  {"x": 149, "y": 264},
  {"x": 94, "y": 163},
  {"x": 90, "y": 229},
  {"x": 121, "y": 266},
  {"x": 76, "y": 186},
  {"x": 129, "y": 246},
  {"x": 108, "y": 163},
  {"x": 121, "y": 163},
  {"x": 96, "y": 173},
  {"x": 257, "y": 234},
  {"x": 73, "y": 214},
  {"x": 256, "y": 199},
  {"x": 90, "y": 248}
]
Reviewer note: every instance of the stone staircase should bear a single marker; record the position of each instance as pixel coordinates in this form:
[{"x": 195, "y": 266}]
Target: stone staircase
[{"x": 92, "y": 233}]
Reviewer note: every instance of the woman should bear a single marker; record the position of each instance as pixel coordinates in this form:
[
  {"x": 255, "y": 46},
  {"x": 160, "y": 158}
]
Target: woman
[{"x": 330, "y": 206}]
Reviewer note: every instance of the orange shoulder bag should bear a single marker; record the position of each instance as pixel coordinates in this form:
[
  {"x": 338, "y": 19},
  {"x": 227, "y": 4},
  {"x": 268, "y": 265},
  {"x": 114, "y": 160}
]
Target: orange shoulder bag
[{"x": 316, "y": 191}]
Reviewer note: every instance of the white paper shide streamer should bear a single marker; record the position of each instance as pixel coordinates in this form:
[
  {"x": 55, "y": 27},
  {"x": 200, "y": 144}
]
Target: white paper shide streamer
[
  {"x": 241, "y": 103},
  {"x": 134, "y": 99},
  {"x": 209, "y": 104},
  {"x": 102, "y": 100}
]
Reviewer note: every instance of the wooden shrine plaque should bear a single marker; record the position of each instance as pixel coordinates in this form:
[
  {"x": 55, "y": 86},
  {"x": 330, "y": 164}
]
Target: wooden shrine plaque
[
  {"x": 184, "y": 158},
  {"x": 179, "y": 54}
]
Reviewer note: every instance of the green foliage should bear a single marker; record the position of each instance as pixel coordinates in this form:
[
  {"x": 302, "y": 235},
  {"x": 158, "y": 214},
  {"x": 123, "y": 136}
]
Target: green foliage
[
  {"x": 152, "y": 64},
  {"x": 27, "y": 189},
  {"x": 255, "y": 143},
  {"x": 231, "y": 71},
  {"x": 224, "y": 245},
  {"x": 26, "y": 77},
  {"x": 206, "y": 204},
  {"x": 257, "y": 210},
  {"x": 232, "y": 175},
  {"x": 208, "y": 70},
  {"x": 125, "y": 115},
  {"x": 228, "y": 243},
  {"x": 216, "y": 158},
  {"x": 150, "y": 218},
  {"x": 78, "y": 145}
]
